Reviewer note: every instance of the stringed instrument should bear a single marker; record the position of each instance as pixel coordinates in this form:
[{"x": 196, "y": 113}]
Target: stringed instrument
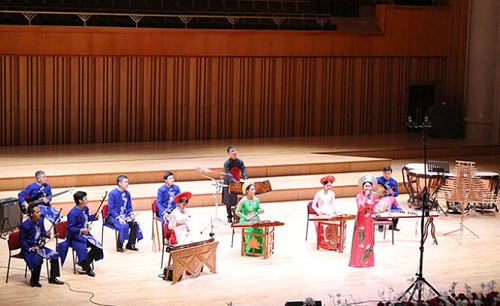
[{"x": 38, "y": 198}]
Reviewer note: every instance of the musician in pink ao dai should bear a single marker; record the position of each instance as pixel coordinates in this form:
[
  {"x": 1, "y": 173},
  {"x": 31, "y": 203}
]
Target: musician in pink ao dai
[
  {"x": 362, "y": 252},
  {"x": 179, "y": 218},
  {"x": 323, "y": 205}
]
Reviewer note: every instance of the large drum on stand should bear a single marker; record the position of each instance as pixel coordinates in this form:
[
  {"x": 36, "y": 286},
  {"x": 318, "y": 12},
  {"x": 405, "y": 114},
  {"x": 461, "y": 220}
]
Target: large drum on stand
[
  {"x": 416, "y": 179},
  {"x": 491, "y": 180}
]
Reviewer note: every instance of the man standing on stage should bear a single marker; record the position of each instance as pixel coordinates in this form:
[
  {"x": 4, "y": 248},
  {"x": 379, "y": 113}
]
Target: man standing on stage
[
  {"x": 122, "y": 217},
  {"x": 232, "y": 168},
  {"x": 39, "y": 190}
]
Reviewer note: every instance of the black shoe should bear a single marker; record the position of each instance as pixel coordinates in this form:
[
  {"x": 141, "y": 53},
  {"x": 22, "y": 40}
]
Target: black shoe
[
  {"x": 381, "y": 228},
  {"x": 395, "y": 228},
  {"x": 90, "y": 273},
  {"x": 131, "y": 247},
  {"x": 55, "y": 281},
  {"x": 35, "y": 284},
  {"x": 119, "y": 249},
  {"x": 229, "y": 220}
]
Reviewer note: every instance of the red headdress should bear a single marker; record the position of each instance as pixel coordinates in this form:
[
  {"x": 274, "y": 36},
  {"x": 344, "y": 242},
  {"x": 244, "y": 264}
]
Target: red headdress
[
  {"x": 185, "y": 194},
  {"x": 330, "y": 178}
]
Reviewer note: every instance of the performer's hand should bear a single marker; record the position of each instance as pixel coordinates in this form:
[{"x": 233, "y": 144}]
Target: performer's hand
[
  {"x": 45, "y": 200},
  {"x": 85, "y": 231},
  {"x": 25, "y": 206},
  {"x": 261, "y": 211},
  {"x": 34, "y": 249},
  {"x": 132, "y": 216},
  {"x": 122, "y": 221}
]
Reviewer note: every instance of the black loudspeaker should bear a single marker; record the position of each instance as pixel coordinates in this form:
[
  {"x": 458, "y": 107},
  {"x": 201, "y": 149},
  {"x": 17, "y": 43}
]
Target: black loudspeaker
[{"x": 10, "y": 214}]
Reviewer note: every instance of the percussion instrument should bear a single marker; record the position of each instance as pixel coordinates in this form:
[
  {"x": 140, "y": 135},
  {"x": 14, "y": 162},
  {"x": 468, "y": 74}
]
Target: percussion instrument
[
  {"x": 416, "y": 179},
  {"x": 192, "y": 257},
  {"x": 491, "y": 181},
  {"x": 260, "y": 187}
]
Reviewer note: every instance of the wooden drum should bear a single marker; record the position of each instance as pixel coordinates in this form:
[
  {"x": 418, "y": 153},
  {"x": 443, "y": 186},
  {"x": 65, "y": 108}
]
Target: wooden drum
[{"x": 260, "y": 187}]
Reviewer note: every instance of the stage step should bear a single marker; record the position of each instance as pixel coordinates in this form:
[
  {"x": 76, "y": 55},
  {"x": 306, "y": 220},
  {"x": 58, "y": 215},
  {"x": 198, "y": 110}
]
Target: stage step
[{"x": 285, "y": 188}]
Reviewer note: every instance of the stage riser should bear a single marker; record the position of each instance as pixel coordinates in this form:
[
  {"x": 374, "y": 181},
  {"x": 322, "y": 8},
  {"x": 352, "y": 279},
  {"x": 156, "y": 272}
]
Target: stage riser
[
  {"x": 146, "y": 177},
  {"x": 207, "y": 200}
]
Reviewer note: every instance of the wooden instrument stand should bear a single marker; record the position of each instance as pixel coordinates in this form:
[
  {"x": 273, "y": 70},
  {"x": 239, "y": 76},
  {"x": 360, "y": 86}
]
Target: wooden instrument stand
[
  {"x": 268, "y": 237},
  {"x": 334, "y": 233},
  {"x": 192, "y": 257}
]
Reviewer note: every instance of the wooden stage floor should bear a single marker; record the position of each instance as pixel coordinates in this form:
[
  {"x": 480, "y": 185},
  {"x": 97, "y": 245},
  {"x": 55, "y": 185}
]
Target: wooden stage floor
[{"x": 297, "y": 270}]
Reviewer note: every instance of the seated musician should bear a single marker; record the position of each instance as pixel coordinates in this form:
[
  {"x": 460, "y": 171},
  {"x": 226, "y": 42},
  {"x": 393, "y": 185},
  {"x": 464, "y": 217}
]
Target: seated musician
[
  {"x": 165, "y": 197},
  {"x": 40, "y": 192},
  {"x": 32, "y": 236},
  {"x": 388, "y": 200},
  {"x": 179, "y": 218},
  {"x": 248, "y": 210},
  {"x": 323, "y": 204},
  {"x": 79, "y": 236}
]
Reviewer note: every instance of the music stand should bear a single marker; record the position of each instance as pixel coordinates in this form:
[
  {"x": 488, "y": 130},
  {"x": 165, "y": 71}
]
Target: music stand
[
  {"x": 440, "y": 167},
  {"x": 218, "y": 185}
]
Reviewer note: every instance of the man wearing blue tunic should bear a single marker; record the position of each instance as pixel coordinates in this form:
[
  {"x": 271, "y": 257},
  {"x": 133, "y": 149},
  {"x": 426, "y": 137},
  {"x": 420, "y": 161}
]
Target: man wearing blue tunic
[
  {"x": 165, "y": 197},
  {"x": 32, "y": 236},
  {"x": 79, "y": 236},
  {"x": 122, "y": 217},
  {"x": 41, "y": 192},
  {"x": 391, "y": 190}
]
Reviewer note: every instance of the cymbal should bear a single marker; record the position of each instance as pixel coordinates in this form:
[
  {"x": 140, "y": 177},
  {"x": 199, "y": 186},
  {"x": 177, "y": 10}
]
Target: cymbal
[{"x": 203, "y": 169}]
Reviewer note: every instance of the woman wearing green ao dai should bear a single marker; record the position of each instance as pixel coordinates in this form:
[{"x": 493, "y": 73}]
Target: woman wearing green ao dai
[{"x": 248, "y": 210}]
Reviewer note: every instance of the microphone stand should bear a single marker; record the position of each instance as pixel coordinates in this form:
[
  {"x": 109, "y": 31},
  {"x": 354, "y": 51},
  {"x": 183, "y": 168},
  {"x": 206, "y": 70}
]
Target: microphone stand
[{"x": 420, "y": 281}]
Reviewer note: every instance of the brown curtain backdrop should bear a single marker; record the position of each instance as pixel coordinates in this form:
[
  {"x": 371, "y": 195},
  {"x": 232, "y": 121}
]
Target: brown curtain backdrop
[{"x": 69, "y": 100}]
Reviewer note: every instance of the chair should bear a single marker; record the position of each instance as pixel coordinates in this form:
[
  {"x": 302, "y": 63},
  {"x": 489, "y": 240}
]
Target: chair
[
  {"x": 383, "y": 222},
  {"x": 104, "y": 211},
  {"x": 310, "y": 212},
  {"x": 236, "y": 219},
  {"x": 14, "y": 245},
  {"x": 169, "y": 239},
  {"x": 61, "y": 232},
  {"x": 154, "y": 225}
]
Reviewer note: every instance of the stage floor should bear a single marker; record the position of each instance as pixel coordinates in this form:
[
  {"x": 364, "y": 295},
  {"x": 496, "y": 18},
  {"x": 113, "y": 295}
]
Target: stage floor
[{"x": 297, "y": 270}]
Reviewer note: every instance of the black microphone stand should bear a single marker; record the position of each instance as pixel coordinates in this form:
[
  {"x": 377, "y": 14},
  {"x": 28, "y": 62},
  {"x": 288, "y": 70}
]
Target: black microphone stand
[{"x": 420, "y": 281}]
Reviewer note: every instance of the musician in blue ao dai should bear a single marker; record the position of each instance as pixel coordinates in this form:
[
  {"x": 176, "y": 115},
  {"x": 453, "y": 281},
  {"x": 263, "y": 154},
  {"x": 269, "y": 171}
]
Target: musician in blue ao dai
[
  {"x": 248, "y": 210},
  {"x": 32, "y": 235},
  {"x": 165, "y": 197},
  {"x": 79, "y": 236},
  {"x": 39, "y": 190},
  {"x": 122, "y": 216}
]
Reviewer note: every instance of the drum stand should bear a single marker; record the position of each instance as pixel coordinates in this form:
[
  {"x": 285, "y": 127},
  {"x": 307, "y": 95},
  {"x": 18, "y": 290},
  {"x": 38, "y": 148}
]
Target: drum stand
[
  {"x": 420, "y": 281},
  {"x": 218, "y": 185}
]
